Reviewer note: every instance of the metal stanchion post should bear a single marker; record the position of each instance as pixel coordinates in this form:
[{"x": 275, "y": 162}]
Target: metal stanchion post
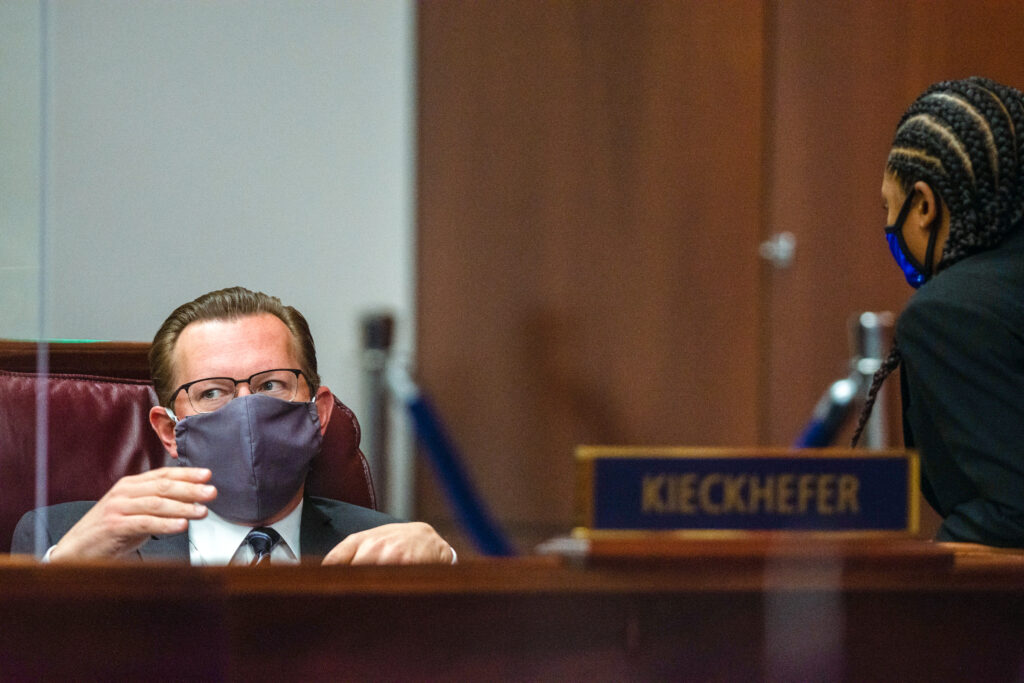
[
  {"x": 378, "y": 331},
  {"x": 870, "y": 337},
  {"x": 869, "y": 340}
]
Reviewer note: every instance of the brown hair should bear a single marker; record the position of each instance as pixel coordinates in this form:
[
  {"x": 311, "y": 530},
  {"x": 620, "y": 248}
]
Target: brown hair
[{"x": 226, "y": 304}]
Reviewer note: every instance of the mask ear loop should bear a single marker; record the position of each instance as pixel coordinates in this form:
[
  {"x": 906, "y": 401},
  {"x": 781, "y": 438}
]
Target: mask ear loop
[
  {"x": 898, "y": 228},
  {"x": 901, "y": 219},
  {"x": 929, "y": 259}
]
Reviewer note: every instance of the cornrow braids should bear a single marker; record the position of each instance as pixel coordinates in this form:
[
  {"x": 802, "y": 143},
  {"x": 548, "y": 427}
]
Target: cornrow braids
[
  {"x": 965, "y": 139},
  {"x": 961, "y": 137},
  {"x": 891, "y": 362}
]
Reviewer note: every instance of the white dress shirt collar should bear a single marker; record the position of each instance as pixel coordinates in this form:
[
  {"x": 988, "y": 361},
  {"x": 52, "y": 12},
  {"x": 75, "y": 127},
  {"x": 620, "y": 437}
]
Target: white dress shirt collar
[{"x": 214, "y": 540}]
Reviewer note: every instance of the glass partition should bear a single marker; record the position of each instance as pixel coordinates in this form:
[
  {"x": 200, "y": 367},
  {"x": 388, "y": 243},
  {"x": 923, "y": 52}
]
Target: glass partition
[{"x": 156, "y": 151}]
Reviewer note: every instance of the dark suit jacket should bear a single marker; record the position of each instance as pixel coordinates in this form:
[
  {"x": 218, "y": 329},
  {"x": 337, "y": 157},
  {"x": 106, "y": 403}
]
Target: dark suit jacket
[
  {"x": 962, "y": 342},
  {"x": 324, "y": 524}
]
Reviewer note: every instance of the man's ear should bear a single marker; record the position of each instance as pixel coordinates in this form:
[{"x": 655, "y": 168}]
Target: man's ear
[
  {"x": 926, "y": 210},
  {"x": 324, "y": 407},
  {"x": 163, "y": 425}
]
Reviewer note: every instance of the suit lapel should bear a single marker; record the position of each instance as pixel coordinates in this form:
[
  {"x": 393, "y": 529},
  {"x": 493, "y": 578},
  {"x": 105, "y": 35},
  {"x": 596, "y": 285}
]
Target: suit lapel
[
  {"x": 316, "y": 535},
  {"x": 164, "y": 548}
]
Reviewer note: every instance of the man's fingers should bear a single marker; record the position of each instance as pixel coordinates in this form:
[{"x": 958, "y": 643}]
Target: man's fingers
[
  {"x": 147, "y": 525},
  {"x": 184, "y": 491},
  {"x": 343, "y": 552},
  {"x": 193, "y": 474},
  {"x": 401, "y": 543},
  {"x": 157, "y": 502},
  {"x": 156, "y": 506}
]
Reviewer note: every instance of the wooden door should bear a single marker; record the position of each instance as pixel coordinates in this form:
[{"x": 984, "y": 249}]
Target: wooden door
[
  {"x": 589, "y": 212},
  {"x": 594, "y": 181},
  {"x": 839, "y": 80}
]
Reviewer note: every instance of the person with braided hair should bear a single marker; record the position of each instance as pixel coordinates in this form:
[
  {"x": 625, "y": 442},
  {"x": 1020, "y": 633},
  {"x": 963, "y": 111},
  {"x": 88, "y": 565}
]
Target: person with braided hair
[{"x": 953, "y": 190}]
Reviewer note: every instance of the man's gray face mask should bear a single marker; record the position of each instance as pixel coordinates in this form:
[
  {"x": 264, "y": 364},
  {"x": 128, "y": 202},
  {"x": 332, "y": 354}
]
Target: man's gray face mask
[{"x": 258, "y": 448}]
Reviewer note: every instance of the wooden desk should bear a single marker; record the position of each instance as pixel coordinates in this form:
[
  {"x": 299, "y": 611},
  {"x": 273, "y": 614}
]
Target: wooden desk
[{"x": 716, "y": 610}]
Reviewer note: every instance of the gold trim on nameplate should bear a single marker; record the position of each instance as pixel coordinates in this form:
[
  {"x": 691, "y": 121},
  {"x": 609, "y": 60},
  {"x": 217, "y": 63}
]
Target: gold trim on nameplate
[
  {"x": 728, "y": 534},
  {"x": 585, "y": 473},
  {"x": 593, "y": 452}
]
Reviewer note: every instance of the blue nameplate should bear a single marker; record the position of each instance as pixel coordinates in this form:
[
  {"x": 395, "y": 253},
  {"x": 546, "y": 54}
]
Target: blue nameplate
[{"x": 715, "y": 489}]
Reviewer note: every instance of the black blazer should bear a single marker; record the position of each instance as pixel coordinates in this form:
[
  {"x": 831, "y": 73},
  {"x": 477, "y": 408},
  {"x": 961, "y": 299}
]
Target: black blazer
[{"x": 962, "y": 342}]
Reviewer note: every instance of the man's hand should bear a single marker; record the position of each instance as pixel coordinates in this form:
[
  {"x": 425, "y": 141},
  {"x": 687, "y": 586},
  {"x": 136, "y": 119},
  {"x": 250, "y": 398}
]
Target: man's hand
[
  {"x": 407, "y": 543},
  {"x": 136, "y": 507}
]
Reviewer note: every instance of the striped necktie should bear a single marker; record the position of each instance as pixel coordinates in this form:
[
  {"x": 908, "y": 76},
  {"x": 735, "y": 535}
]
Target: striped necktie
[{"x": 262, "y": 542}]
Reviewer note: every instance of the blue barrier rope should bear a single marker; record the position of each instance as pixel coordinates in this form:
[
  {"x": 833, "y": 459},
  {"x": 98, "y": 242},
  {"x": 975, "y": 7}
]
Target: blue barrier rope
[
  {"x": 469, "y": 509},
  {"x": 815, "y": 435},
  {"x": 831, "y": 412}
]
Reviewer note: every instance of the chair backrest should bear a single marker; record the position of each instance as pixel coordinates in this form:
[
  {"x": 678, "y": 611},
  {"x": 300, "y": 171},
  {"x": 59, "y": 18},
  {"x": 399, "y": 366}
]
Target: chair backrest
[{"x": 98, "y": 430}]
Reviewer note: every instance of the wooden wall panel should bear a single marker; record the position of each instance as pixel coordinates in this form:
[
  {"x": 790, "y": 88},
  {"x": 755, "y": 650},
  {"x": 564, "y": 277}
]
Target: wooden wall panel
[
  {"x": 594, "y": 180},
  {"x": 839, "y": 80},
  {"x": 589, "y": 198}
]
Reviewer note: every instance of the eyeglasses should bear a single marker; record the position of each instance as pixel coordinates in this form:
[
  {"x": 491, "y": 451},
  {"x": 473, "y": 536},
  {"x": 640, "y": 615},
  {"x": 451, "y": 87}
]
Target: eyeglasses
[{"x": 207, "y": 395}]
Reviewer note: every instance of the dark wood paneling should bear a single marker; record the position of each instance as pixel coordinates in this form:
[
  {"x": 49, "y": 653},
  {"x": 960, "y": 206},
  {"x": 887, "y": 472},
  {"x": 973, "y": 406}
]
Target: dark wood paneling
[
  {"x": 840, "y": 79},
  {"x": 589, "y": 198},
  {"x": 594, "y": 180},
  {"x": 799, "y": 610}
]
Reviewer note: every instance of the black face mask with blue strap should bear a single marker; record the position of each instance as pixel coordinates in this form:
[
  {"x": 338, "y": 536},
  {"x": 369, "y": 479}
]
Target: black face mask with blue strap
[{"x": 915, "y": 272}]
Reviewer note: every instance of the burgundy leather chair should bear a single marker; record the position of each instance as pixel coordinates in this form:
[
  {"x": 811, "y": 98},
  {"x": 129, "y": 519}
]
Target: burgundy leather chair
[{"x": 98, "y": 397}]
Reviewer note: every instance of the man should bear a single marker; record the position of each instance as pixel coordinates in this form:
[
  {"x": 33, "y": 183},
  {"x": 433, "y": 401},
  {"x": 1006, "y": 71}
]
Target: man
[{"x": 242, "y": 409}]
